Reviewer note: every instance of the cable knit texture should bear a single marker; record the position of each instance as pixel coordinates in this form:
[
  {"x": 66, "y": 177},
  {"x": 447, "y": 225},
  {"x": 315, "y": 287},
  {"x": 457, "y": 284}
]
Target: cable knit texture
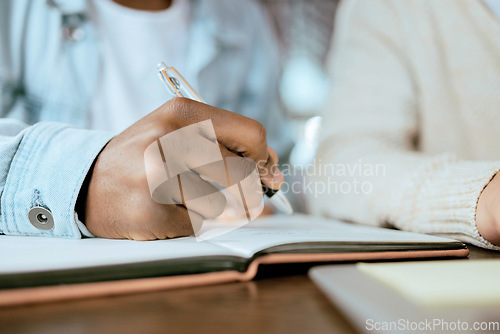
[{"x": 416, "y": 90}]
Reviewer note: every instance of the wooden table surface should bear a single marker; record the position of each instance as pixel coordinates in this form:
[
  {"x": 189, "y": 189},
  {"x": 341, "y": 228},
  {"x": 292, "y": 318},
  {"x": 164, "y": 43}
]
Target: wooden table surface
[{"x": 281, "y": 300}]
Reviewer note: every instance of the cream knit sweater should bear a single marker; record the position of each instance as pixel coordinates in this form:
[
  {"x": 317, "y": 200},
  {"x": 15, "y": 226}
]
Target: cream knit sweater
[{"x": 416, "y": 99}]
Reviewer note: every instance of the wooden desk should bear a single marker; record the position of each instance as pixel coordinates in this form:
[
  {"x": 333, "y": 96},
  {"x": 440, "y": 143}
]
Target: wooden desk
[{"x": 281, "y": 300}]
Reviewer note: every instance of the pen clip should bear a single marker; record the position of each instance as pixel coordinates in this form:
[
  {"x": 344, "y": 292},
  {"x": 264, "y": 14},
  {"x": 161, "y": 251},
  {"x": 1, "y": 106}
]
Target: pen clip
[
  {"x": 176, "y": 84},
  {"x": 167, "y": 81}
]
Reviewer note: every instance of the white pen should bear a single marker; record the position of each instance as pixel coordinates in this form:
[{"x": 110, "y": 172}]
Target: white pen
[{"x": 178, "y": 86}]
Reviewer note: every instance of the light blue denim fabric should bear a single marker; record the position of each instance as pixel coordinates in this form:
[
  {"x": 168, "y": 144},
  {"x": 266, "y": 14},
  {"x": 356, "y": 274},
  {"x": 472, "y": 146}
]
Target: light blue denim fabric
[
  {"x": 234, "y": 64},
  {"x": 44, "y": 165}
]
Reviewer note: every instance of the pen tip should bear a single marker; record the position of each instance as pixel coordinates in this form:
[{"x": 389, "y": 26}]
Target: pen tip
[{"x": 282, "y": 204}]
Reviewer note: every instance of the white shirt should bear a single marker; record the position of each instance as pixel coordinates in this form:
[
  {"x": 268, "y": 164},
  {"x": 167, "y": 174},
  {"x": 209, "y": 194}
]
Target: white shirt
[{"x": 132, "y": 43}]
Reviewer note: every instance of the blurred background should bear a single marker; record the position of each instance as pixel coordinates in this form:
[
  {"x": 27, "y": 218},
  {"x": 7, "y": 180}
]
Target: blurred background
[{"x": 304, "y": 29}]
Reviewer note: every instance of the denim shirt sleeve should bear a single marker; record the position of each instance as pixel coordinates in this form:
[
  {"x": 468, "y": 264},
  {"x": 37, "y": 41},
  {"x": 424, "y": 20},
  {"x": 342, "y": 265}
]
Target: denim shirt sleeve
[{"x": 44, "y": 165}]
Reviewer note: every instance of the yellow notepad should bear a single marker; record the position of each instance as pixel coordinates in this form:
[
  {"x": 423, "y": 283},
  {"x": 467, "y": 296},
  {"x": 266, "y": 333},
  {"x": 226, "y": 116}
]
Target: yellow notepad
[{"x": 441, "y": 283}]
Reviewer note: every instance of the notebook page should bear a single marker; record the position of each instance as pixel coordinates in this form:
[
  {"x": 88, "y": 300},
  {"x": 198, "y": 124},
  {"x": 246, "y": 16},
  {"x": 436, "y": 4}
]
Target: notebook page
[
  {"x": 276, "y": 230},
  {"x": 31, "y": 254}
]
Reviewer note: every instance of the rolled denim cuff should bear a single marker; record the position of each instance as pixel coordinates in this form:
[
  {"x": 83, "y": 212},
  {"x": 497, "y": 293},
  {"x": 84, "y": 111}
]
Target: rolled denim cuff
[{"x": 44, "y": 180}]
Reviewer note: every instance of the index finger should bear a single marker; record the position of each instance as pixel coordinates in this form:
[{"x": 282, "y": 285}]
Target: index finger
[{"x": 238, "y": 133}]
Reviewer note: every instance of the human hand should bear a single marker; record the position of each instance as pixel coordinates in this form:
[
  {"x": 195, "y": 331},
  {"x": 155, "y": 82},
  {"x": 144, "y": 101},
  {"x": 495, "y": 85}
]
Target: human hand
[
  {"x": 488, "y": 212},
  {"x": 119, "y": 203}
]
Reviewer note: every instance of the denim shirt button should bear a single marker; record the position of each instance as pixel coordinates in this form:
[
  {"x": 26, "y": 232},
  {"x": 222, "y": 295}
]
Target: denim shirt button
[{"x": 41, "y": 218}]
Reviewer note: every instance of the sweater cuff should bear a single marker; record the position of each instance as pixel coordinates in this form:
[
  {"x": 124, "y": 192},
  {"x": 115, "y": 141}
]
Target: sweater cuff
[
  {"x": 449, "y": 197},
  {"x": 45, "y": 178}
]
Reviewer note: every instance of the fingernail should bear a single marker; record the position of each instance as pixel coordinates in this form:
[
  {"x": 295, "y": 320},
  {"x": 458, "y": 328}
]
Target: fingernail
[{"x": 277, "y": 176}]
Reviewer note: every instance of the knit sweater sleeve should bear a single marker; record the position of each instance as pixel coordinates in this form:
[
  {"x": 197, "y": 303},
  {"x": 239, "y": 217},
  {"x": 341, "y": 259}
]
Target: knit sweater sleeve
[{"x": 368, "y": 167}]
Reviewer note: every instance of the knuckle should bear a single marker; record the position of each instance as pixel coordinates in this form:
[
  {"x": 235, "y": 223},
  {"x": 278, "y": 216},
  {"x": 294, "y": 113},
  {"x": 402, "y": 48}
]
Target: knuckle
[
  {"x": 259, "y": 134},
  {"x": 177, "y": 103},
  {"x": 177, "y": 108},
  {"x": 260, "y": 142}
]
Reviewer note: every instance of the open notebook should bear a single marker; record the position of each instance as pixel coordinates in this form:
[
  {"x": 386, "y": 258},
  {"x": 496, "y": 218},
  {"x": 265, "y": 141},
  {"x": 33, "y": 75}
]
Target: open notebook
[{"x": 35, "y": 269}]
